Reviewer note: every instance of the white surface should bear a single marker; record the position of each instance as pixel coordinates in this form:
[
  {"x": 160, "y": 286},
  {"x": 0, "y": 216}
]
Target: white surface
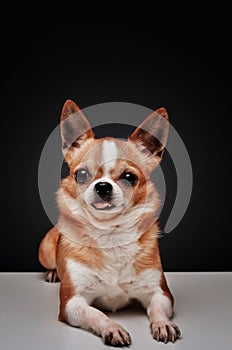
[{"x": 29, "y": 309}]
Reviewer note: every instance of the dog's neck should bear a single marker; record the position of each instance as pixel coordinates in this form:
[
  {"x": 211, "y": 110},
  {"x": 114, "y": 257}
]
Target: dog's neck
[{"x": 119, "y": 230}]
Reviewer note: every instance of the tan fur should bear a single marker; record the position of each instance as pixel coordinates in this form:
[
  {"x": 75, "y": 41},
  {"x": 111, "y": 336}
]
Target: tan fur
[
  {"x": 87, "y": 255},
  {"x": 48, "y": 249},
  {"x": 148, "y": 255}
]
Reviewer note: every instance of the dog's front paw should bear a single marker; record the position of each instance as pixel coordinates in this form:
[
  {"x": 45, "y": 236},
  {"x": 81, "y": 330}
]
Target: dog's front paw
[
  {"x": 116, "y": 335},
  {"x": 165, "y": 331}
]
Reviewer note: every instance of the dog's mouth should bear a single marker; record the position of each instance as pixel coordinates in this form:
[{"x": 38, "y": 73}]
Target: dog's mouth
[{"x": 103, "y": 205}]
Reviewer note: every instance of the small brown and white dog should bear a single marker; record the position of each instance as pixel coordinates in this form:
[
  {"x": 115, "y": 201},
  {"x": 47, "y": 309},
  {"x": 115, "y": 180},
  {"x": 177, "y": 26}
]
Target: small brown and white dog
[{"x": 104, "y": 248}]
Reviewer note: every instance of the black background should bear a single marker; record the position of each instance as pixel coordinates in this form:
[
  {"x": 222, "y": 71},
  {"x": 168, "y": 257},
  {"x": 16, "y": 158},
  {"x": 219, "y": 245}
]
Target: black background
[{"x": 145, "y": 56}]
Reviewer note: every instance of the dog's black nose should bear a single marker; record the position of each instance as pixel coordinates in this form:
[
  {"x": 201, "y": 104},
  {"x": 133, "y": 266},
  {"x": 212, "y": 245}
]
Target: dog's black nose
[{"x": 104, "y": 190}]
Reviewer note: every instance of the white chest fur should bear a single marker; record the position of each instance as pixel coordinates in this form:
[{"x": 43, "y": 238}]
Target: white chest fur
[{"x": 117, "y": 284}]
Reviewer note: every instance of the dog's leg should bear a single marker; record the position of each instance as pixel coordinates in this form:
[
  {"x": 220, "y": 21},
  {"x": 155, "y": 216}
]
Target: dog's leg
[
  {"x": 47, "y": 254},
  {"x": 78, "y": 313},
  {"x": 159, "y": 306}
]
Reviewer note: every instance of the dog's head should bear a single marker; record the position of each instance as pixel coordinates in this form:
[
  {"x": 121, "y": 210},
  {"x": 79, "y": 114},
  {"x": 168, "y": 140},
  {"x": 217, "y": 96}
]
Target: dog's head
[{"x": 109, "y": 176}]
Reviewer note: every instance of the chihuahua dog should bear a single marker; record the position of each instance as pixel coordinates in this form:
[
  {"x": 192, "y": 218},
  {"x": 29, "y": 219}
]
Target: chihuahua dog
[{"x": 104, "y": 249}]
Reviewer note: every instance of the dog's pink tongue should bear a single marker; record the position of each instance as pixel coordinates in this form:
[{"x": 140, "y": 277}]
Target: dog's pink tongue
[{"x": 102, "y": 205}]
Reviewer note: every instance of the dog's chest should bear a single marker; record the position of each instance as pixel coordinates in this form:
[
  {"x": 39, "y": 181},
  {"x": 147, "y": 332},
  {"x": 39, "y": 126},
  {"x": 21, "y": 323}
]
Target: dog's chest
[
  {"x": 119, "y": 267},
  {"x": 117, "y": 284}
]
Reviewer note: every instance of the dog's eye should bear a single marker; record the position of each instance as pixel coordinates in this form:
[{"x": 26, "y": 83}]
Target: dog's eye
[
  {"x": 81, "y": 175},
  {"x": 129, "y": 179}
]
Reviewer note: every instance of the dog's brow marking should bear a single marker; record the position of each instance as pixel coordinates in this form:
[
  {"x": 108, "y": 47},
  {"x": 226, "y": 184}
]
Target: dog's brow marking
[{"x": 109, "y": 155}]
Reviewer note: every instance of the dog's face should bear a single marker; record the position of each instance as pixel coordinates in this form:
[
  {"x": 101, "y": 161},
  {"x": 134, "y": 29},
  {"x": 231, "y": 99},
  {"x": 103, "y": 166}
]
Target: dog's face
[{"x": 108, "y": 175}]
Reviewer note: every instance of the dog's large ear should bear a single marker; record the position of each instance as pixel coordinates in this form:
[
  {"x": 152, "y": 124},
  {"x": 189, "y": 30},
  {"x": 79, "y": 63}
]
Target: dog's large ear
[
  {"x": 74, "y": 126},
  {"x": 151, "y": 135}
]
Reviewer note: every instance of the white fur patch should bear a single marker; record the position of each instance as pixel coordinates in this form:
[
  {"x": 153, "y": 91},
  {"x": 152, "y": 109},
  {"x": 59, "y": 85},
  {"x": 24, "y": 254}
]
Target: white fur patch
[
  {"x": 75, "y": 308},
  {"x": 109, "y": 155},
  {"x": 160, "y": 307},
  {"x": 115, "y": 286}
]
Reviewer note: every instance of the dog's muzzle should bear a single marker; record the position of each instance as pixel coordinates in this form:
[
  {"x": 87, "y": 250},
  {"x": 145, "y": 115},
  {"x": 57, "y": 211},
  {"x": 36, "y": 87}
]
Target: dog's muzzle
[{"x": 104, "y": 193}]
